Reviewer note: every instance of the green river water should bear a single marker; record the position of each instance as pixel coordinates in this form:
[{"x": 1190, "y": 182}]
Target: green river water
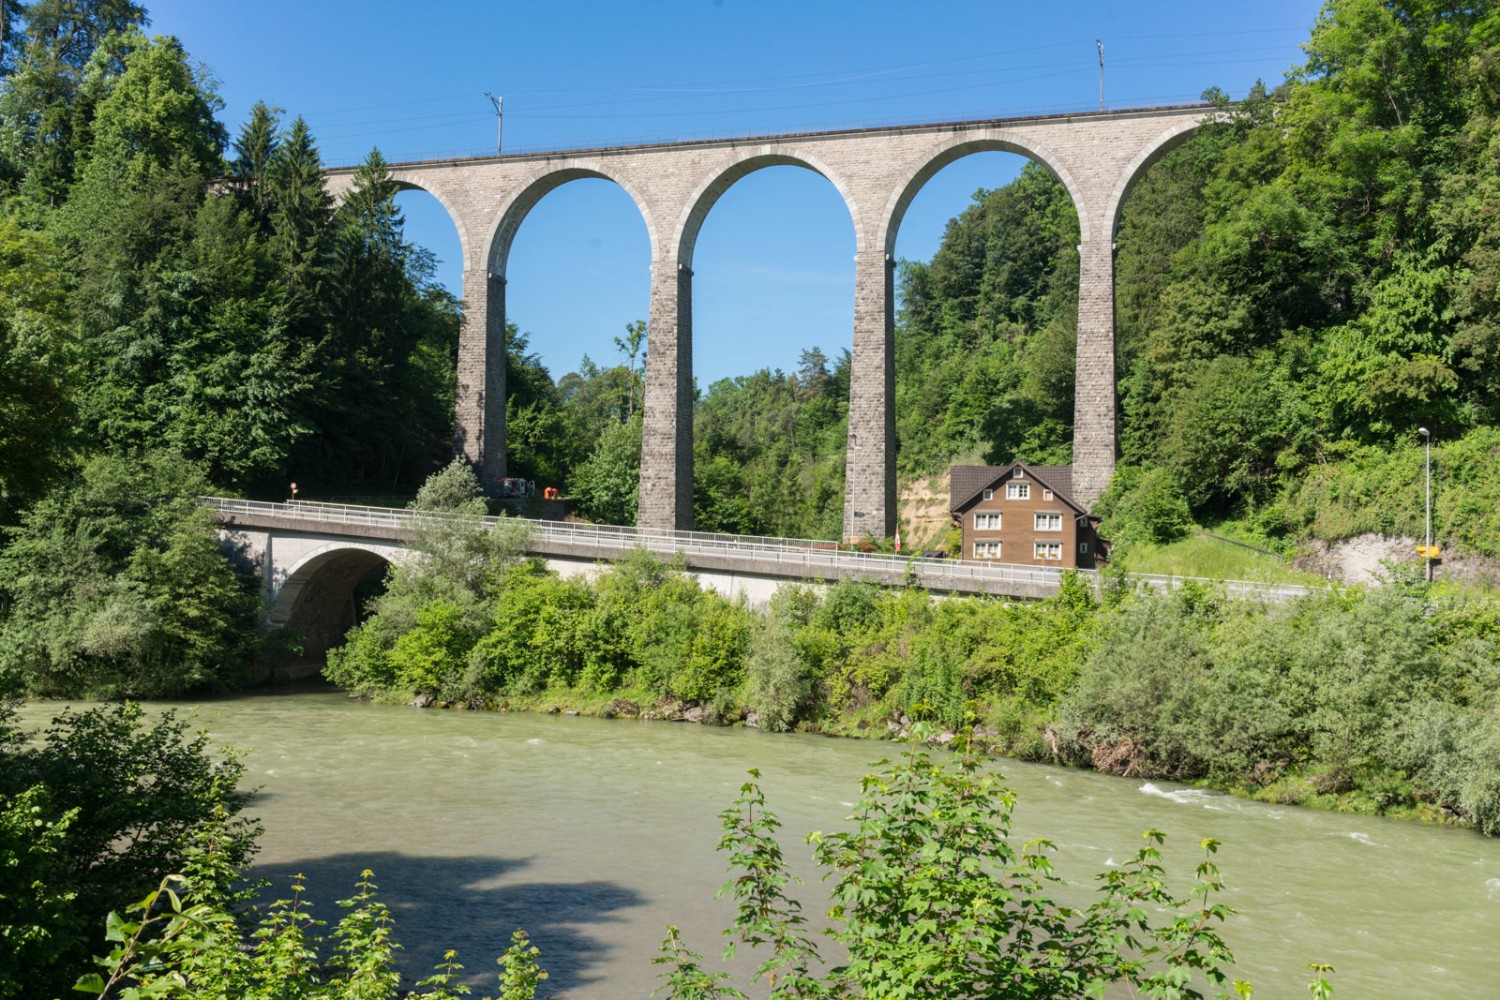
[{"x": 594, "y": 834}]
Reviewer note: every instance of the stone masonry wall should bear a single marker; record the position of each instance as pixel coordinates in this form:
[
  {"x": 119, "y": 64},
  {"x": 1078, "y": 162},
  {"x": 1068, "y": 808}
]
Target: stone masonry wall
[{"x": 877, "y": 172}]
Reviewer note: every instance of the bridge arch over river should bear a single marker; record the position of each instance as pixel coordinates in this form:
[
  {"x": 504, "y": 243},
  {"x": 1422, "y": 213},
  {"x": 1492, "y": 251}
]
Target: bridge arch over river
[
  {"x": 877, "y": 171},
  {"x": 313, "y": 584}
]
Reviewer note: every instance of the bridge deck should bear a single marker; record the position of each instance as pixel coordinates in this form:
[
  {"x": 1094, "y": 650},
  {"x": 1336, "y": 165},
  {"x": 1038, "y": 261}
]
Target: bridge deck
[
  {"x": 788, "y": 558},
  {"x": 758, "y": 138}
]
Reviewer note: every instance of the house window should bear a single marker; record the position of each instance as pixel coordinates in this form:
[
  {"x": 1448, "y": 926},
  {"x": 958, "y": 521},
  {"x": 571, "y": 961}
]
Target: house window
[
  {"x": 1046, "y": 494},
  {"x": 1047, "y": 521},
  {"x": 986, "y": 550},
  {"x": 1018, "y": 491},
  {"x": 1051, "y": 551},
  {"x": 1083, "y": 547},
  {"x": 986, "y": 522},
  {"x": 989, "y": 494},
  {"x": 1017, "y": 472}
]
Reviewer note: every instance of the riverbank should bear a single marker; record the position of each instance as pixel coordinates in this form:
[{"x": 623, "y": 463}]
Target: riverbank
[
  {"x": 1383, "y": 700},
  {"x": 1093, "y": 720}
]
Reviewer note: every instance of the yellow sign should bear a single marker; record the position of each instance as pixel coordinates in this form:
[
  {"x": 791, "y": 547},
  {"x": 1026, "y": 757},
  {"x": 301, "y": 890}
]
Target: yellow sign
[{"x": 1430, "y": 551}]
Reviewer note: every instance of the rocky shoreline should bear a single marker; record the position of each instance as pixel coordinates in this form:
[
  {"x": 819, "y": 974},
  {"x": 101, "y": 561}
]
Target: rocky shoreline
[{"x": 901, "y": 728}]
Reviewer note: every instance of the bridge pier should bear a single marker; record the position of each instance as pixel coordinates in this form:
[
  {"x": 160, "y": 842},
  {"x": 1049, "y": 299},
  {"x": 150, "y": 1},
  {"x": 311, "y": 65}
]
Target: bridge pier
[
  {"x": 479, "y": 418},
  {"x": 870, "y": 458},
  {"x": 666, "y": 484},
  {"x": 1094, "y": 373}
]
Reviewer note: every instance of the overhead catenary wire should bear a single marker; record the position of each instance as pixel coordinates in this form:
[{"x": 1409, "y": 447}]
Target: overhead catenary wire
[
  {"x": 669, "y": 90},
  {"x": 658, "y": 110},
  {"x": 381, "y": 125}
]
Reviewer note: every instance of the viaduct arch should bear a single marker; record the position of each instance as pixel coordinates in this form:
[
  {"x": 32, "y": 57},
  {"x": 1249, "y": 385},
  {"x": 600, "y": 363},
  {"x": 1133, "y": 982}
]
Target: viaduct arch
[{"x": 1097, "y": 156}]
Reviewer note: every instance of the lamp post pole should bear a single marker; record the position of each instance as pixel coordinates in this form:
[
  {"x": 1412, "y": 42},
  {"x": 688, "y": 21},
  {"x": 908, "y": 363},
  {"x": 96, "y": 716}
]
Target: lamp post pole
[
  {"x": 1427, "y": 550},
  {"x": 1100, "y": 43},
  {"x": 499, "y": 103}
]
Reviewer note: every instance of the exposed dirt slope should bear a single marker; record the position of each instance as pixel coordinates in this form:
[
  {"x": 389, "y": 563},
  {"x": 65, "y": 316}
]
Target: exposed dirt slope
[{"x": 922, "y": 506}]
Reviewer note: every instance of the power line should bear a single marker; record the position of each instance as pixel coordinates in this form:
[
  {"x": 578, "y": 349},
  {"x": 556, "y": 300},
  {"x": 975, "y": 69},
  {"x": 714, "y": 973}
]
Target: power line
[
  {"x": 770, "y": 84},
  {"x": 550, "y": 111}
]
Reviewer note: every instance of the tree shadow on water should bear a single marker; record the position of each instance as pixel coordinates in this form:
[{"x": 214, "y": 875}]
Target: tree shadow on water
[{"x": 468, "y": 904}]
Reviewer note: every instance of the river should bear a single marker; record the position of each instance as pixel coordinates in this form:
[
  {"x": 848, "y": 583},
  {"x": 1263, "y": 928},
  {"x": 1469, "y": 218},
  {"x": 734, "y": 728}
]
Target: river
[{"x": 594, "y": 834}]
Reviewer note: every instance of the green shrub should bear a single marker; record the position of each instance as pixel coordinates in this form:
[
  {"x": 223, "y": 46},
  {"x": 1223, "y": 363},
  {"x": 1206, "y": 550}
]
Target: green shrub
[
  {"x": 715, "y": 664},
  {"x": 363, "y": 664},
  {"x": 1252, "y": 721},
  {"x": 98, "y": 809},
  {"x": 1019, "y": 727},
  {"x": 1364, "y": 658},
  {"x": 606, "y": 648},
  {"x": 175, "y": 942},
  {"x": 36, "y": 893},
  {"x": 795, "y": 604},
  {"x": 114, "y": 585},
  {"x": 1143, "y": 505},
  {"x": 850, "y": 606},
  {"x": 1453, "y": 753},
  {"x": 661, "y": 641},
  {"x": 1133, "y": 708},
  {"x": 932, "y": 900},
  {"x": 1024, "y": 649},
  {"x": 1188, "y": 685},
  {"x": 932, "y": 686},
  {"x": 533, "y": 638},
  {"x": 430, "y": 656},
  {"x": 778, "y": 683}
]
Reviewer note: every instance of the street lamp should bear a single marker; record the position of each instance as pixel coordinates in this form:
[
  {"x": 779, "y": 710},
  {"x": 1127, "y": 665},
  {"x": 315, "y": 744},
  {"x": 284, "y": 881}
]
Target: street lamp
[{"x": 1427, "y": 550}]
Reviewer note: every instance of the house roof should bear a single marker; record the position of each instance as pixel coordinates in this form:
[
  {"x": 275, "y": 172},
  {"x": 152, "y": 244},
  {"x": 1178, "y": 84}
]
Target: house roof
[{"x": 966, "y": 482}]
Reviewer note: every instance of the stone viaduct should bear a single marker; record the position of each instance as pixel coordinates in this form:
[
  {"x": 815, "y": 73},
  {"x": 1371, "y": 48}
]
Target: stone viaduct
[{"x": 877, "y": 172}]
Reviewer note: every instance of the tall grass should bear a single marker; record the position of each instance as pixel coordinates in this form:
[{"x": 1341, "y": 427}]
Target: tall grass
[{"x": 1211, "y": 558}]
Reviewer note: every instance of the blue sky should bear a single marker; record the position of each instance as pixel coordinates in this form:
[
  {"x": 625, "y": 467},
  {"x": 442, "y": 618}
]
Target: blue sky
[{"x": 773, "y": 272}]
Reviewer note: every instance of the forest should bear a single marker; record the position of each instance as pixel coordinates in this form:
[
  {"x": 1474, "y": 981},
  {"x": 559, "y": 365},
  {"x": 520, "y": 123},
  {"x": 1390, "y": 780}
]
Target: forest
[
  {"x": 184, "y": 311},
  {"x": 1299, "y": 287}
]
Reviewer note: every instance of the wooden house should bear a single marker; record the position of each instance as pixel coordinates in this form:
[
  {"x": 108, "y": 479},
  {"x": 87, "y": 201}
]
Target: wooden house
[{"x": 1023, "y": 514}]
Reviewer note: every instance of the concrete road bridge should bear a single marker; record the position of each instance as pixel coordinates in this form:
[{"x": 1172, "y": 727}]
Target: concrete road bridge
[
  {"x": 877, "y": 172},
  {"x": 312, "y": 558}
]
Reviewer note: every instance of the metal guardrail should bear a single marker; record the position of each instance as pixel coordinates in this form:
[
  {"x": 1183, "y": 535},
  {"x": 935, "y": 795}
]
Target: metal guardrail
[
  {"x": 799, "y": 558},
  {"x": 1013, "y": 116}
]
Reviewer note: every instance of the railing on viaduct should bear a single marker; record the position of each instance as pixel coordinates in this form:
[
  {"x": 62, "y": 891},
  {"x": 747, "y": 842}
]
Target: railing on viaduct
[{"x": 791, "y": 558}]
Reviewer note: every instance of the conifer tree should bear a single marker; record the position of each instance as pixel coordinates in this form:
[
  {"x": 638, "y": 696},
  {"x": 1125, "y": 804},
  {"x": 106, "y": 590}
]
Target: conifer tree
[
  {"x": 42, "y": 113},
  {"x": 159, "y": 114},
  {"x": 300, "y": 211},
  {"x": 254, "y": 150}
]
